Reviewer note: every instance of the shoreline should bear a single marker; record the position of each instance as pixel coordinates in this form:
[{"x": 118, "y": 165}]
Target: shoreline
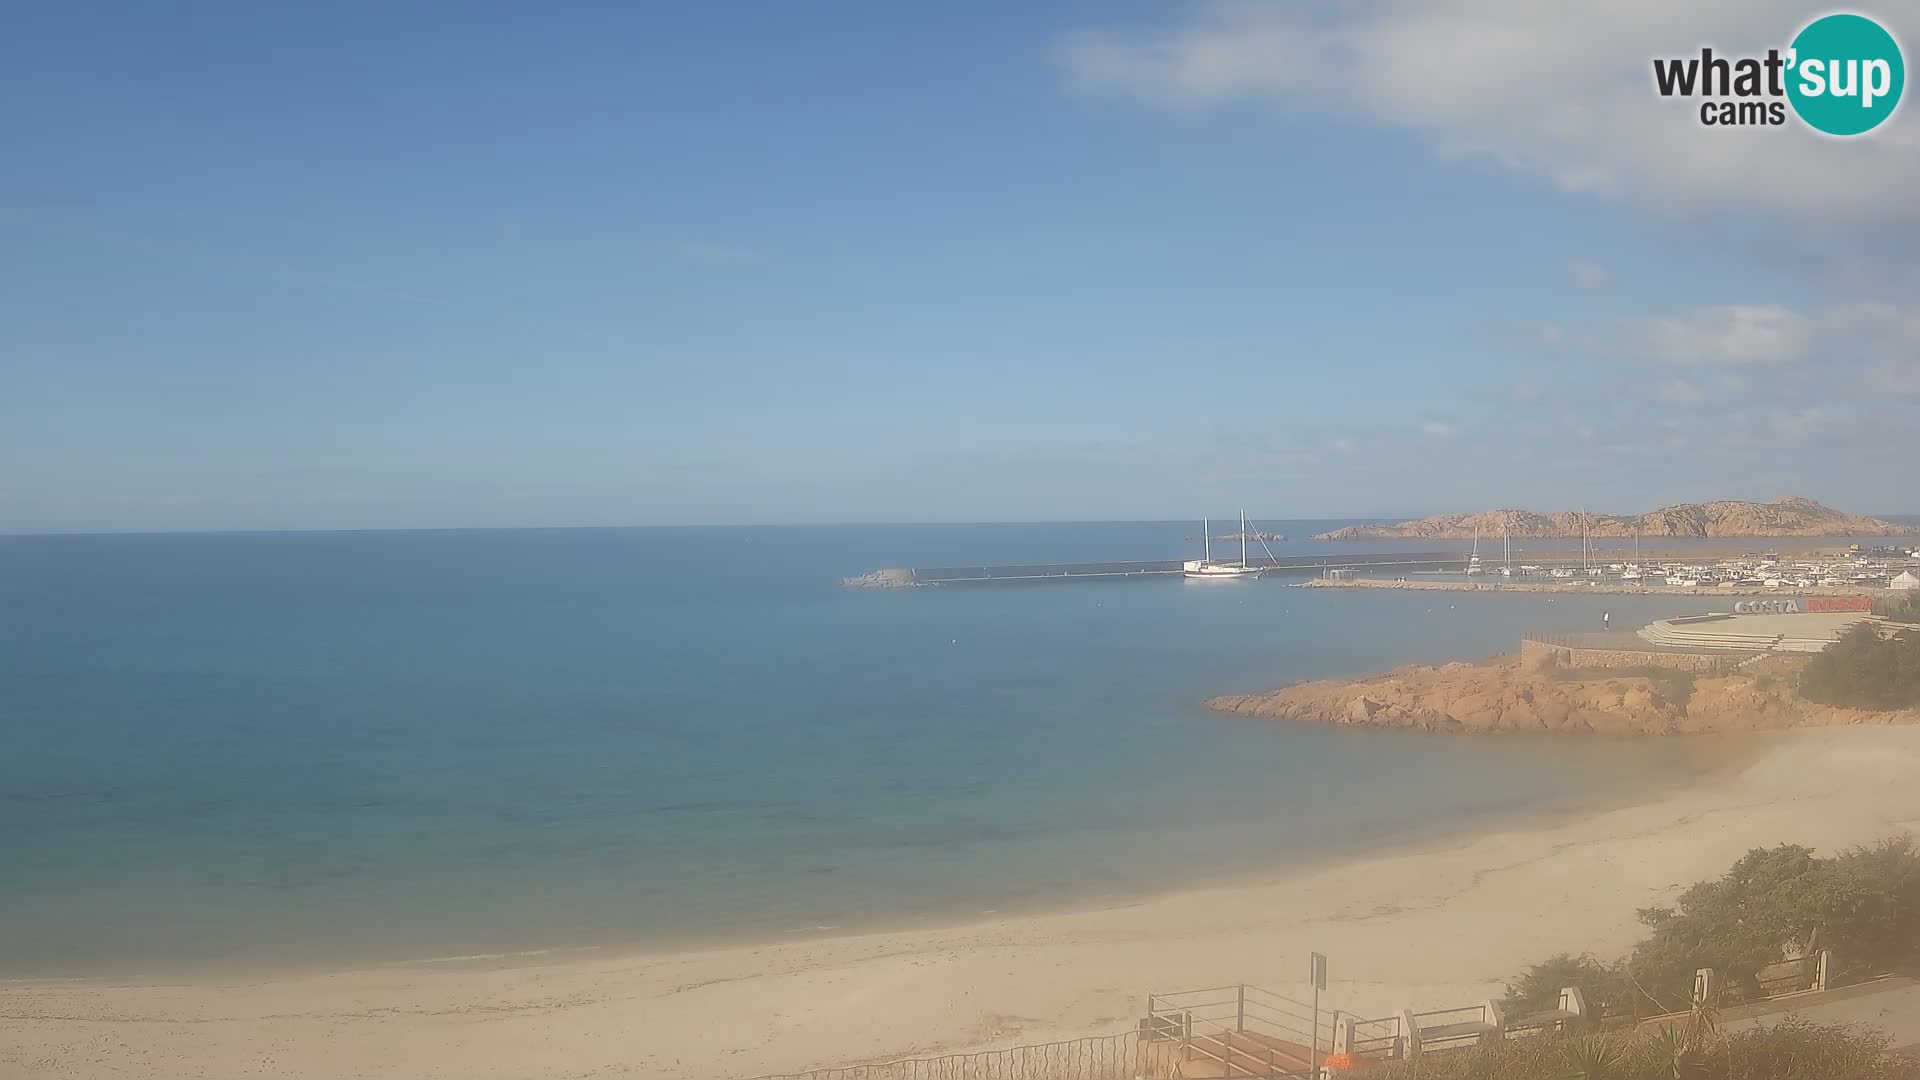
[
  {"x": 1706, "y": 755},
  {"x": 1597, "y": 588},
  {"x": 1437, "y": 924},
  {"x": 1718, "y": 753}
]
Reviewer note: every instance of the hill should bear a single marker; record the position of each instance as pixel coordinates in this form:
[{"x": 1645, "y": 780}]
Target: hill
[{"x": 1790, "y": 516}]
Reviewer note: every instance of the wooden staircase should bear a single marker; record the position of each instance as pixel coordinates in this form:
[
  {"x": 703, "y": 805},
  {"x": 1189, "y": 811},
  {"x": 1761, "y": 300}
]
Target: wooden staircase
[{"x": 1246, "y": 1053}]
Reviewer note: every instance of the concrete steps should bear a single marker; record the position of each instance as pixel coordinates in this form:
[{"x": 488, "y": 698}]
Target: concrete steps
[{"x": 1789, "y": 633}]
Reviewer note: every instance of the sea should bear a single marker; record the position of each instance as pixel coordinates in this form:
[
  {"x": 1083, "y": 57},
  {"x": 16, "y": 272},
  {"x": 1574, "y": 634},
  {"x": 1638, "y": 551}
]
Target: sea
[{"x": 267, "y": 751}]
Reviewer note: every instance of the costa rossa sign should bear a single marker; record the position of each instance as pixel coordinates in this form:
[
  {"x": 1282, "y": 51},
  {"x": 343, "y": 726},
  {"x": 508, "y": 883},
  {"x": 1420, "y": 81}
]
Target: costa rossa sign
[
  {"x": 1839, "y": 603},
  {"x": 1786, "y": 606}
]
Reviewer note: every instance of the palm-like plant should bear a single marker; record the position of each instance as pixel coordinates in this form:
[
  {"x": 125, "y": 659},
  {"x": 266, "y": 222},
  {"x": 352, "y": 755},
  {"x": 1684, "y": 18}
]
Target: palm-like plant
[
  {"x": 1594, "y": 1057},
  {"x": 1703, "y": 1025}
]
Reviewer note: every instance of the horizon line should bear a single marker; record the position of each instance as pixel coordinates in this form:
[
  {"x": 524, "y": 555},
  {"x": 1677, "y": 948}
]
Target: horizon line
[{"x": 1902, "y": 518}]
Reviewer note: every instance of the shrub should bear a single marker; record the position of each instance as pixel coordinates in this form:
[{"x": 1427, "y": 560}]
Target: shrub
[
  {"x": 1537, "y": 989},
  {"x": 1900, "y": 607},
  {"x": 1792, "y": 1050},
  {"x": 1864, "y": 904},
  {"x": 1864, "y": 670},
  {"x": 1674, "y": 685}
]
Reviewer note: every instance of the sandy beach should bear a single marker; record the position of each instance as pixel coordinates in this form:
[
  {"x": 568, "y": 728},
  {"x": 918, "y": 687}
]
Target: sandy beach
[
  {"x": 1588, "y": 587},
  {"x": 1440, "y": 925}
]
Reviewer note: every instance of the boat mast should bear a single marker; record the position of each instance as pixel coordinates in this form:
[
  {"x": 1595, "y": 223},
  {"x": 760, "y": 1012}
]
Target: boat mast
[
  {"x": 1243, "y": 537},
  {"x": 1206, "y": 539}
]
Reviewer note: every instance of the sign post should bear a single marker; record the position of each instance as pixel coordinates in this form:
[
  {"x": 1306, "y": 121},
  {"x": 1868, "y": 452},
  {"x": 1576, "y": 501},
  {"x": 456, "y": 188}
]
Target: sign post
[{"x": 1317, "y": 975}]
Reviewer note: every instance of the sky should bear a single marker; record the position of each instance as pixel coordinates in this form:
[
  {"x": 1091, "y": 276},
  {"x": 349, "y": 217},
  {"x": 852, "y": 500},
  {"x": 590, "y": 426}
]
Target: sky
[{"x": 267, "y": 266}]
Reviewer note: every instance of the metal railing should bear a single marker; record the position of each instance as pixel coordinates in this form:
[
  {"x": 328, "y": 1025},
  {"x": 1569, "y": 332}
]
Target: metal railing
[
  {"x": 1106, "y": 1057},
  {"x": 1246, "y": 1030},
  {"x": 1381, "y": 1038},
  {"x": 1440, "y": 1029}
]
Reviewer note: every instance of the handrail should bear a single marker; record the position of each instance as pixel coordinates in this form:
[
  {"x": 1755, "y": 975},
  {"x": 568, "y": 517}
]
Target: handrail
[
  {"x": 1202, "y": 990},
  {"x": 1481, "y": 1009}
]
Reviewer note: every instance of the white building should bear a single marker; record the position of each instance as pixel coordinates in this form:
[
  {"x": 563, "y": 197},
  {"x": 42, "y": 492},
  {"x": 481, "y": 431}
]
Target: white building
[{"x": 1905, "y": 580}]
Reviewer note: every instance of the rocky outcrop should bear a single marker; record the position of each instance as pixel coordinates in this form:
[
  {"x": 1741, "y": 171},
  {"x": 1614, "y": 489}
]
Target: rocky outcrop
[
  {"x": 1501, "y": 696},
  {"x": 1789, "y": 516}
]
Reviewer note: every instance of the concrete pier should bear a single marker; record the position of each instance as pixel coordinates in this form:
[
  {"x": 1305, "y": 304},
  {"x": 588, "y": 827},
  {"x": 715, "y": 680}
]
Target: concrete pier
[{"x": 1400, "y": 561}]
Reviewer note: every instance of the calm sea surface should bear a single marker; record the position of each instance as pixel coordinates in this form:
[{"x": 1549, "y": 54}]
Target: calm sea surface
[{"x": 251, "y": 750}]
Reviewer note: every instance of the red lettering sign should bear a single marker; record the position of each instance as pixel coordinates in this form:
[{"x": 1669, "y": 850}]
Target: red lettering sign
[{"x": 1839, "y": 603}]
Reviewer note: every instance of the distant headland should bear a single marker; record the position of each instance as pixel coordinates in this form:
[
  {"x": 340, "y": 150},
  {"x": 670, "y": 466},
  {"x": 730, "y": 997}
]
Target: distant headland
[{"x": 1731, "y": 518}]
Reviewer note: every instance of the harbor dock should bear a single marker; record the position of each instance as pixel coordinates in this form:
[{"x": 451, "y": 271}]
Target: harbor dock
[{"x": 1380, "y": 562}]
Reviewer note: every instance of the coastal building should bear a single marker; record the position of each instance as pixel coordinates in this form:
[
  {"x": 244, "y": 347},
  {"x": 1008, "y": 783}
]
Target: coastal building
[{"x": 1904, "y": 580}]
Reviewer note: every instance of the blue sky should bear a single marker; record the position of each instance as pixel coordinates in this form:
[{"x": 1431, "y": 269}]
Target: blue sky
[{"x": 460, "y": 264}]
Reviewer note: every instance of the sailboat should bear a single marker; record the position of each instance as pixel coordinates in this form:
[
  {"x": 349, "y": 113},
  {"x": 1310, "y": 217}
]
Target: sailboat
[
  {"x": 1473, "y": 560},
  {"x": 1586, "y": 549},
  {"x": 1506, "y": 545},
  {"x": 1631, "y": 572},
  {"x": 1205, "y": 569}
]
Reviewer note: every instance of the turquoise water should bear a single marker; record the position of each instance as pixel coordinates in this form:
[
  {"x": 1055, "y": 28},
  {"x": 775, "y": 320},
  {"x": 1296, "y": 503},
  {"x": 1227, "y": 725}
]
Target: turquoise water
[{"x": 256, "y": 750}]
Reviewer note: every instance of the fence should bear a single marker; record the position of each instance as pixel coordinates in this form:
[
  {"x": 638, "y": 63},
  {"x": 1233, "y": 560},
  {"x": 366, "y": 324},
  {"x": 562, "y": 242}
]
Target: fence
[
  {"x": 1384, "y": 1038},
  {"x": 1240, "y": 1030},
  {"x": 1105, "y": 1057}
]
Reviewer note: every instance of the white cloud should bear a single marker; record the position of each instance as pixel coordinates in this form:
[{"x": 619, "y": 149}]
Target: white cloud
[
  {"x": 1732, "y": 334},
  {"x": 1437, "y": 429},
  {"x": 1560, "y": 91},
  {"x": 1893, "y": 330},
  {"x": 1588, "y": 276},
  {"x": 1682, "y": 392}
]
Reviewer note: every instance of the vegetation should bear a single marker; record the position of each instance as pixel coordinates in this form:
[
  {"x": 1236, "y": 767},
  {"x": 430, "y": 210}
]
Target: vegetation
[
  {"x": 1537, "y": 989},
  {"x": 1864, "y": 670},
  {"x": 1900, "y": 607},
  {"x": 1864, "y": 904},
  {"x": 1675, "y": 686},
  {"x": 1792, "y": 1050}
]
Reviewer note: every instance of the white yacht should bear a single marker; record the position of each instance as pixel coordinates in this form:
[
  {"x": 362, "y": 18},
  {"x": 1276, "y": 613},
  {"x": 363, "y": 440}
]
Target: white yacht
[{"x": 1205, "y": 569}]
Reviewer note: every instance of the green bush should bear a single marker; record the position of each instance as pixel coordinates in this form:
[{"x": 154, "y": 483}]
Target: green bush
[
  {"x": 1792, "y": 1050},
  {"x": 1674, "y": 685},
  {"x": 1537, "y": 989},
  {"x": 1900, "y": 607},
  {"x": 1864, "y": 904},
  {"x": 1864, "y": 670}
]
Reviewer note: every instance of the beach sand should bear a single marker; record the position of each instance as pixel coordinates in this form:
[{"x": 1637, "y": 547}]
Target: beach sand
[{"x": 1443, "y": 924}]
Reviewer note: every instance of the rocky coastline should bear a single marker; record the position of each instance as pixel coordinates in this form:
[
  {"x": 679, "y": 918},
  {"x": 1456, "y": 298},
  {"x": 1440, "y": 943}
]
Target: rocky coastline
[
  {"x": 1501, "y": 695},
  {"x": 1791, "y": 516}
]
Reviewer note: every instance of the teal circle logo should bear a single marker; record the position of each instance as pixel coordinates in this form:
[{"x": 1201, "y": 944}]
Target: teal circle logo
[{"x": 1845, "y": 74}]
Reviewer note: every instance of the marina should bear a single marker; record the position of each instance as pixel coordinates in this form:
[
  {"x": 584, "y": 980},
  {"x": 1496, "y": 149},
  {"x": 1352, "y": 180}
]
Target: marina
[
  {"x": 1766, "y": 571},
  {"x": 1309, "y": 565}
]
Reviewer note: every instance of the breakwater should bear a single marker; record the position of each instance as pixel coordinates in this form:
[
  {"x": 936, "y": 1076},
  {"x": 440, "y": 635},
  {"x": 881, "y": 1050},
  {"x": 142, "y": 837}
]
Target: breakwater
[{"x": 897, "y": 578}]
